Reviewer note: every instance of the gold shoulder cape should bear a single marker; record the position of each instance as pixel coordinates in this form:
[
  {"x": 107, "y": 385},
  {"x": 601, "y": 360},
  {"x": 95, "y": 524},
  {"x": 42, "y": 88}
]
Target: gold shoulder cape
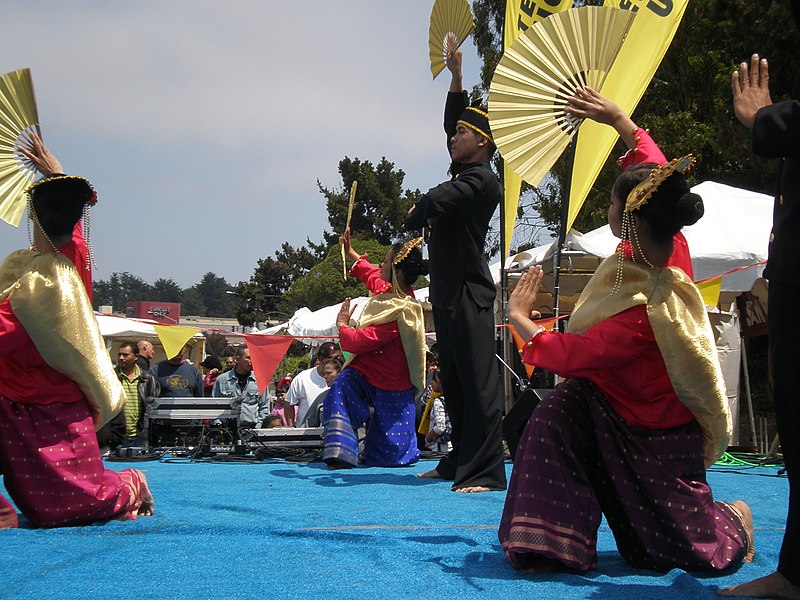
[
  {"x": 400, "y": 307},
  {"x": 48, "y": 298},
  {"x": 677, "y": 314}
]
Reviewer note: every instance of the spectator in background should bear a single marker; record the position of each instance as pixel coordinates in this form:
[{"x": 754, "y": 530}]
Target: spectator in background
[
  {"x": 240, "y": 384},
  {"x": 437, "y": 438},
  {"x": 177, "y": 377},
  {"x": 146, "y": 354},
  {"x": 309, "y": 384},
  {"x": 314, "y": 416},
  {"x": 126, "y": 427},
  {"x": 211, "y": 370},
  {"x": 229, "y": 358},
  {"x": 431, "y": 367},
  {"x": 272, "y": 421},
  {"x": 280, "y": 402}
]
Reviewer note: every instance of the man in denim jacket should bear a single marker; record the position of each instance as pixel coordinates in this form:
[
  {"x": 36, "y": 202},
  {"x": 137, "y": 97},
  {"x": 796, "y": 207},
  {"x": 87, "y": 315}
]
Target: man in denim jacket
[{"x": 239, "y": 384}]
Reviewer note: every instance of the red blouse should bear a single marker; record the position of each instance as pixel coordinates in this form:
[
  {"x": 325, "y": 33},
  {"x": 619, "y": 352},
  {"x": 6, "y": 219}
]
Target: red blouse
[
  {"x": 379, "y": 351},
  {"x": 24, "y": 374},
  {"x": 619, "y": 355}
]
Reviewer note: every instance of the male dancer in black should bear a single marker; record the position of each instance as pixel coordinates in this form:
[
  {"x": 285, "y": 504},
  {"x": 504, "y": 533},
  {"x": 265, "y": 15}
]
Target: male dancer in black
[
  {"x": 776, "y": 133},
  {"x": 462, "y": 293}
]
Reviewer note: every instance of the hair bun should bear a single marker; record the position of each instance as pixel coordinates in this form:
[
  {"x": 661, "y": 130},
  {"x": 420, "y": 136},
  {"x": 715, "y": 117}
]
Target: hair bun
[{"x": 689, "y": 209}]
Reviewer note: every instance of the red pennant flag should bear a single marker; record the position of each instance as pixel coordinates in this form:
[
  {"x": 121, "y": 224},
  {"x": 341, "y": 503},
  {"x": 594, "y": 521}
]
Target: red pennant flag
[
  {"x": 266, "y": 352},
  {"x": 548, "y": 324}
]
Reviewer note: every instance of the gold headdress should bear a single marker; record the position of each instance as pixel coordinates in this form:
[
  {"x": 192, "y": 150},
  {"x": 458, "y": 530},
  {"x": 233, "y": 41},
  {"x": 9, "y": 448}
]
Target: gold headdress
[
  {"x": 642, "y": 192},
  {"x": 403, "y": 252}
]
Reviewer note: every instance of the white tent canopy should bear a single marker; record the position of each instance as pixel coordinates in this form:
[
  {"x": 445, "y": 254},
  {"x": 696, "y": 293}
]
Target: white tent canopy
[
  {"x": 121, "y": 327},
  {"x": 112, "y": 326},
  {"x": 322, "y": 323}
]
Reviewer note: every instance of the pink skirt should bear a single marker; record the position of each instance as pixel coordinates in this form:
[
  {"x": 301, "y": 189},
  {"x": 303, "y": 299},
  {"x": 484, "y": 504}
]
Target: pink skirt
[{"x": 53, "y": 471}]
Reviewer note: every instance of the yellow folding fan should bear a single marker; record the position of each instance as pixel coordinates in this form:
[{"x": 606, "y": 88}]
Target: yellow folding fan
[
  {"x": 451, "y": 23},
  {"x": 18, "y": 118},
  {"x": 537, "y": 75}
]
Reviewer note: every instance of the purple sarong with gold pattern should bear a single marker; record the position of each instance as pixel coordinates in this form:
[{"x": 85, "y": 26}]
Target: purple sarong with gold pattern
[{"x": 578, "y": 460}]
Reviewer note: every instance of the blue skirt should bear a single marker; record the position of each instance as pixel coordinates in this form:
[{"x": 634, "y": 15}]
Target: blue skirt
[{"x": 391, "y": 439}]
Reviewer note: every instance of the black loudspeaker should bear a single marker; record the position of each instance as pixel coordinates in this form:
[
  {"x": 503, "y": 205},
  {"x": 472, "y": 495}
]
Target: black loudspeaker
[{"x": 516, "y": 419}]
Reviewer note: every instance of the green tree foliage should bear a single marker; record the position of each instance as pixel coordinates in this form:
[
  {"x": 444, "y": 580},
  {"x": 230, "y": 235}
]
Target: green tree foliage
[
  {"x": 299, "y": 277},
  {"x": 215, "y": 343},
  {"x": 213, "y": 289},
  {"x": 324, "y": 284},
  {"x": 166, "y": 290},
  {"x": 120, "y": 289},
  {"x": 192, "y": 303},
  {"x": 380, "y": 206},
  {"x": 272, "y": 278},
  {"x": 687, "y": 106}
]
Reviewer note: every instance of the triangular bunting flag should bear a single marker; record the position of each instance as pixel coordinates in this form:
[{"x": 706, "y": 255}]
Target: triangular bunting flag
[
  {"x": 710, "y": 289},
  {"x": 266, "y": 353},
  {"x": 519, "y": 342},
  {"x": 173, "y": 337}
]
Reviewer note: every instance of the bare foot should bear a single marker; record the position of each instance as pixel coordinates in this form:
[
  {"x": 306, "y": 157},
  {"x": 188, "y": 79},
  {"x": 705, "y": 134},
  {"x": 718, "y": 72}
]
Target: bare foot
[
  {"x": 9, "y": 521},
  {"x": 432, "y": 474},
  {"x": 473, "y": 489},
  {"x": 148, "y": 504},
  {"x": 747, "y": 521},
  {"x": 774, "y": 585}
]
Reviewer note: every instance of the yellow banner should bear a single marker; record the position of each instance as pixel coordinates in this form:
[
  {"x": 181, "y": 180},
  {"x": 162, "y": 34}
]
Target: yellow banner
[
  {"x": 710, "y": 290},
  {"x": 650, "y": 35},
  {"x": 520, "y": 15},
  {"x": 173, "y": 338}
]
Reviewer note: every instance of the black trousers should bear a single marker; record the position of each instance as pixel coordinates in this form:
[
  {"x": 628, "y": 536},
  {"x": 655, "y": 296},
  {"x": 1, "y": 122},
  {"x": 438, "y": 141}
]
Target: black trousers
[
  {"x": 784, "y": 349},
  {"x": 471, "y": 386}
]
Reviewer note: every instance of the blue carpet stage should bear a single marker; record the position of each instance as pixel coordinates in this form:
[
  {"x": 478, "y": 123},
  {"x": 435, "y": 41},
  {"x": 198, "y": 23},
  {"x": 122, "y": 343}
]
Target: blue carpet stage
[{"x": 280, "y": 529}]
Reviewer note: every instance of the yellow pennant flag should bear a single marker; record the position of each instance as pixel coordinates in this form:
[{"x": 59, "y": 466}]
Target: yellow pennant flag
[
  {"x": 173, "y": 338},
  {"x": 647, "y": 42},
  {"x": 710, "y": 289},
  {"x": 520, "y": 15}
]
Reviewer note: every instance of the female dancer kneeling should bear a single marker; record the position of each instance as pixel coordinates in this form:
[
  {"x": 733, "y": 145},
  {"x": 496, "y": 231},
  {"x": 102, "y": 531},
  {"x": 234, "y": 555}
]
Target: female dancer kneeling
[
  {"x": 643, "y": 406},
  {"x": 389, "y": 363}
]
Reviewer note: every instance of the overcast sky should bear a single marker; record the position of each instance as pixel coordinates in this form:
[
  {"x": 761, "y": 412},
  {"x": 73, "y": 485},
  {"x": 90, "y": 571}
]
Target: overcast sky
[{"x": 204, "y": 125}]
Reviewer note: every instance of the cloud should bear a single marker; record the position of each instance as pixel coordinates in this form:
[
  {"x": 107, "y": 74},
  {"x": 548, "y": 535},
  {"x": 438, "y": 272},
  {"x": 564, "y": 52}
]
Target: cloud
[{"x": 205, "y": 125}]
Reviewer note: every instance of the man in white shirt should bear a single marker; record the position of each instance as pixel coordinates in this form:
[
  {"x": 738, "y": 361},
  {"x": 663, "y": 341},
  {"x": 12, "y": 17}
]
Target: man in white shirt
[{"x": 309, "y": 384}]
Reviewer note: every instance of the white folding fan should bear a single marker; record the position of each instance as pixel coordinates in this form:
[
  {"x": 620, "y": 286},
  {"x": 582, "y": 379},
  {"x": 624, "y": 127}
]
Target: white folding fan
[
  {"x": 451, "y": 23},
  {"x": 537, "y": 75},
  {"x": 18, "y": 118}
]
